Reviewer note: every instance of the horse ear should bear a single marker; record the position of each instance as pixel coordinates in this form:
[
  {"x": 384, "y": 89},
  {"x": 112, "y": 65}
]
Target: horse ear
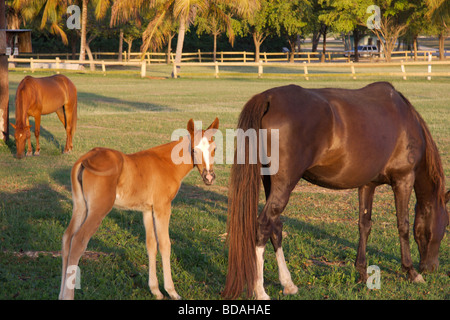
[
  {"x": 214, "y": 125},
  {"x": 191, "y": 126},
  {"x": 13, "y": 125},
  {"x": 447, "y": 196}
]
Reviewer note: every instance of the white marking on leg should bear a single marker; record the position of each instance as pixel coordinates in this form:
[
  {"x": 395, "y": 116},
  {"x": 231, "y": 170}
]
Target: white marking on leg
[
  {"x": 284, "y": 274},
  {"x": 259, "y": 284}
]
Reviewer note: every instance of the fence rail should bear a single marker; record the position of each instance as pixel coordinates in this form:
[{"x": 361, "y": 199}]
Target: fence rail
[
  {"x": 230, "y": 56},
  {"x": 305, "y": 68},
  {"x": 295, "y": 69},
  {"x": 59, "y": 64}
]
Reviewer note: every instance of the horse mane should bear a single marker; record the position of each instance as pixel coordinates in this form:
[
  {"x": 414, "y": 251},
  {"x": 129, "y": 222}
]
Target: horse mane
[
  {"x": 432, "y": 158},
  {"x": 21, "y": 113}
]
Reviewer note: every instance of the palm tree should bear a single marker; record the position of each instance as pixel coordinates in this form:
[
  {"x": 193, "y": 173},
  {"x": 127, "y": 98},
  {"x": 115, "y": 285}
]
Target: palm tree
[
  {"x": 216, "y": 20},
  {"x": 181, "y": 11},
  {"x": 51, "y": 13}
]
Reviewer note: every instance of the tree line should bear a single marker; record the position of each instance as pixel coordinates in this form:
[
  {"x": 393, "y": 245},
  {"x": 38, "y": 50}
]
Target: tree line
[{"x": 158, "y": 22}]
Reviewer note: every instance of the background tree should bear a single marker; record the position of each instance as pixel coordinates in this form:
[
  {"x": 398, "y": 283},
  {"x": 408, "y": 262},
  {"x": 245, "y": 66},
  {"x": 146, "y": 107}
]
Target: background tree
[
  {"x": 439, "y": 17},
  {"x": 216, "y": 20},
  {"x": 287, "y": 18},
  {"x": 182, "y": 11}
]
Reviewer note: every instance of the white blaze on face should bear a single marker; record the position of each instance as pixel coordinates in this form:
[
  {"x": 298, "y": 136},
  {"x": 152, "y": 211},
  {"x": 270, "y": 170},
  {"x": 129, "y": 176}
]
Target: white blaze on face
[{"x": 203, "y": 146}]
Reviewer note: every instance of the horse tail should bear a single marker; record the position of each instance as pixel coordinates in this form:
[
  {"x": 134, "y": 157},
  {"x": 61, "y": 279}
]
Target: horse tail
[
  {"x": 432, "y": 158},
  {"x": 243, "y": 199}
]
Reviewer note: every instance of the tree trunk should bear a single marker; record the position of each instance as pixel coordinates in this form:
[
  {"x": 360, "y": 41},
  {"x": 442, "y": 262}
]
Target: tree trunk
[
  {"x": 180, "y": 41},
  {"x": 324, "y": 46},
  {"x": 315, "y": 40},
  {"x": 215, "y": 46},
  {"x": 83, "y": 30},
  {"x": 415, "y": 46},
  {"x": 88, "y": 50},
  {"x": 120, "y": 45},
  {"x": 4, "y": 86},
  {"x": 355, "y": 44},
  {"x": 258, "y": 39},
  {"x": 441, "y": 46},
  {"x": 129, "y": 42},
  {"x": 169, "y": 47}
]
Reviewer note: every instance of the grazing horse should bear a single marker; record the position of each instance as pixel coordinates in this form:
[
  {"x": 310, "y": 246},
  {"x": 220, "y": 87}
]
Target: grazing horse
[
  {"x": 338, "y": 139},
  {"x": 146, "y": 181},
  {"x": 38, "y": 96}
]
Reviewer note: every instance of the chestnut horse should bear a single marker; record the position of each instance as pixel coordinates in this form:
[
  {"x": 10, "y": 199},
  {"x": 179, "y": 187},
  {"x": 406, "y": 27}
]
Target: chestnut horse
[
  {"x": 339, "y": 139},
  {"x": 146, "y": 181},
  {"x": 38, "y": 96}
]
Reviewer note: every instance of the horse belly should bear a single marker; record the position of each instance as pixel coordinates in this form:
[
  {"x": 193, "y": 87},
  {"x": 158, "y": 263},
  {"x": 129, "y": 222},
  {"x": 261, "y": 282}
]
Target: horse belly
[
  {"x": 341, "y": 179},
  {"x": 50, "y": 105},
  {"x": 133, "y": 203}
]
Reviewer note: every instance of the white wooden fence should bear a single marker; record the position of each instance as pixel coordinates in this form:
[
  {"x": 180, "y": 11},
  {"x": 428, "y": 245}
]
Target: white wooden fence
[{"x": 295, "y": 69}]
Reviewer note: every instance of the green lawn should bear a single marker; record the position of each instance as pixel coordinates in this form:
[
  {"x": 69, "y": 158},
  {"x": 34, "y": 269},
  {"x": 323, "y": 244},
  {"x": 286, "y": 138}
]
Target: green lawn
[{"x": 125, "y": 112}]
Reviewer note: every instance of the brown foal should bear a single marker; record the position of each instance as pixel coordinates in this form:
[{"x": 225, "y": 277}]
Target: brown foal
[{"x": 147, "y": 181}]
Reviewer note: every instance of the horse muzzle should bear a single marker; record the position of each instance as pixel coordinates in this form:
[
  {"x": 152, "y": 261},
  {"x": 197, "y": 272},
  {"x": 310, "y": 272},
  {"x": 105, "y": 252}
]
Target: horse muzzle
[{"x": 208, "y": 177}]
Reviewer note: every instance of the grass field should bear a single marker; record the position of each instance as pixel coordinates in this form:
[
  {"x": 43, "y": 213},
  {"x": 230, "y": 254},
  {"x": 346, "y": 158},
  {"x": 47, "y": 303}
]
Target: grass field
[{"x": 125, "y": 112}]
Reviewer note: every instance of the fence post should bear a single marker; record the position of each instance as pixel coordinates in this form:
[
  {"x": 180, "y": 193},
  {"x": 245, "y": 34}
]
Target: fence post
[
  {"x": 216, "y": 69},
  {"x": 221, "y": 56},
  {"x": 103, "y": 68},
  {"x": 174, "y": 72},
  {"x": 32, "y": 65},
  {"x": 305, "y": 68},
  {"x": 143, "y": 68},
  {"x": 245, "y": 57},
  {"x": 429, "y": 66},
  {"x": 260, "y": 69},
  {"x": 199, "y": 56},
  {"x": 402, "y": 66},
  {"x": 352, "y": 68},
  {"x": 57, "y": 65}
]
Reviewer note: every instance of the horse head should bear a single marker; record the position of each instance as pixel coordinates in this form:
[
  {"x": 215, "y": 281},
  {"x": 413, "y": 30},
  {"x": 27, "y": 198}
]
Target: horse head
[
  {"x": 203, "y": 149},
  {"x": 429, "y": 230},
  {"x": 22, "y": 133}
]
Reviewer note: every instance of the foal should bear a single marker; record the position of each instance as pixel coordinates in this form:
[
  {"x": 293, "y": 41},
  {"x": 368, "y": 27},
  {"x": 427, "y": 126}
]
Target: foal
[{"x": 147, "y": 181}]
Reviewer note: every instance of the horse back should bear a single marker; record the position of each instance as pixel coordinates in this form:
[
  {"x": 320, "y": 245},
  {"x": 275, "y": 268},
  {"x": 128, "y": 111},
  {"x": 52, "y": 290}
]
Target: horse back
[
  {"x": 337, "y": 130},
  {"x": 46, "y": 95}
]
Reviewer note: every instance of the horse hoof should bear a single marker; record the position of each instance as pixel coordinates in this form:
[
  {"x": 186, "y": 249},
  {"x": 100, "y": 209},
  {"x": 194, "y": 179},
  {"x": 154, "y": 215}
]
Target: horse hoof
[
  {"x": 290, "y": 289},
  {"x": 29, "y": 154},
  {"x": 36, "y": 153},
  {"x": 419, "y": 279}
]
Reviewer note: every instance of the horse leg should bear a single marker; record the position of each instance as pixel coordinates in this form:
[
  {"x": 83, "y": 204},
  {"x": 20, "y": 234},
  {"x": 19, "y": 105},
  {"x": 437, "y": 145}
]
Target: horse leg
[
  {"x": 30, "y": 148},
  {"x": 276, "y": 239},
  {"x": 152, "y": 247},
  {"x": 78, "y": 216},
  {"x": 162, "y": 218},
  {"x": 66, "y": 119},
  {"x": 402, "y": 188},
  {"x": 37, "y": 130},
  {"x": 269, "y": 226},
  {"x": 99, "y": 197},
  {"x": 365, "y": 194}
]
